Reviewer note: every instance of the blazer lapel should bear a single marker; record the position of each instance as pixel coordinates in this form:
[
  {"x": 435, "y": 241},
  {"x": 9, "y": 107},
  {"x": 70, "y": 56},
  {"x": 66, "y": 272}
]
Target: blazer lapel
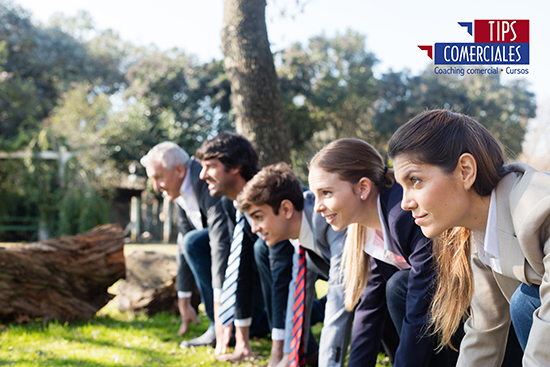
[
  {"x": 195, "y": 169},
  {"x": 512, "y": 260},
  {"x": 309, "y": 203},
  {"x": 529, "y": 211}
]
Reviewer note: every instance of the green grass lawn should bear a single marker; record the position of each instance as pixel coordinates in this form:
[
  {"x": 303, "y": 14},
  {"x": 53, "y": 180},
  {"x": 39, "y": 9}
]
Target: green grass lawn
[{"x": 112, "y": 338}]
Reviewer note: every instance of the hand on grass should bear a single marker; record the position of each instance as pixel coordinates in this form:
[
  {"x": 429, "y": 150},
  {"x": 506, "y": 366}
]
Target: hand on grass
[{"x": 188, "y": 315}]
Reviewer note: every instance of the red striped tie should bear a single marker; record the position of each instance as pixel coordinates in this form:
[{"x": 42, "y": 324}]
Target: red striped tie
[{"x": 297, "y": 357}]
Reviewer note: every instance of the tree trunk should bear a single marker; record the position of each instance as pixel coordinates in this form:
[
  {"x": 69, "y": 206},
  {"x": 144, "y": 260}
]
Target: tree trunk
[
  {"x": 64, "y": 278},
  {"x": 255, "y": 94}
]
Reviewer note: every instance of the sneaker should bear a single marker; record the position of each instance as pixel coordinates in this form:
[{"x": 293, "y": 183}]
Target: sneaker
[{"x": 206, "y": 339}]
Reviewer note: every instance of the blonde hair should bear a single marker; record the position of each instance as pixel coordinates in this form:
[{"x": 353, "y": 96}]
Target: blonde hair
[
  {"x": 353, "y": 159},
  {"x": 454, "y": 285},
  {"x": 355, "y": 265}
]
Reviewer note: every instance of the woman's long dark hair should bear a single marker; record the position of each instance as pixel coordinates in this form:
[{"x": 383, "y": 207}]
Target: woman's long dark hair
[{"x": 439, "y": 138}]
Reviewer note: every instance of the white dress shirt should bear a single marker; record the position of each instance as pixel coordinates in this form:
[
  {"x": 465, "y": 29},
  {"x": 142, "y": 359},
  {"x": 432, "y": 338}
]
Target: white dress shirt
[
  {"x": 307, "y": 240},
  {"x": 486, "y": 243},
  {"x": 188, "y": 202},
  {"x": 381, "y": 246}
]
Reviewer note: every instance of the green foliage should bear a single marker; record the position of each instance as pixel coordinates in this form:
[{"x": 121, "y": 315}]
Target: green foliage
[
  {"x": 32, "y": 189},
  {"x": 29, "y": 189},
  {"x": 81, "y": 209},
  {"x": 173, "y": 98},
  {"x": 343, "y": 88},
  {"x": 67, "y": 203},
  {"x": 53, "y": 93},
  {"x": 37, "y": 64},
  {"x": 329, "y": 90},
  {"x": 108, "y": 54},
  {"x": 14, "y": 200},
  {"x": 69, "y": 84},
  {"x": 335, "y": 80},
  {"x": 79, "y": 123},
  {"x": 504, "y": 109}
]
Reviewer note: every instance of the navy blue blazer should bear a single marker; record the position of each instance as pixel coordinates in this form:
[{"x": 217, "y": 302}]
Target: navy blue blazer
[
  {"x": 415, "y": 348},
  {"x": 213, "y": 218}
]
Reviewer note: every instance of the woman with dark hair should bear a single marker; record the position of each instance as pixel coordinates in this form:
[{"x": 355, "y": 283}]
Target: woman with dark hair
[
  {"x": 491, "y": 223},
  {"x": 387, "y": 262}
]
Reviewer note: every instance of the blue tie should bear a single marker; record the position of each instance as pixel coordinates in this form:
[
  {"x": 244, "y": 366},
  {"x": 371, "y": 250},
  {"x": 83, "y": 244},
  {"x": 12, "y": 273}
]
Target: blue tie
[{"x": 229, "y": 289}]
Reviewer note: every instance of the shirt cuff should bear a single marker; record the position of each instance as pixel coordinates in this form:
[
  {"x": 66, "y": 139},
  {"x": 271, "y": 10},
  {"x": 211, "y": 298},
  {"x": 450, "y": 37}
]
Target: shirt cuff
[
  {"x": 277, "y": 334},
  {"x": 217, "y": 295},
  {"x": 243, "y": 322},
  {"x": 184, "y": 294}
]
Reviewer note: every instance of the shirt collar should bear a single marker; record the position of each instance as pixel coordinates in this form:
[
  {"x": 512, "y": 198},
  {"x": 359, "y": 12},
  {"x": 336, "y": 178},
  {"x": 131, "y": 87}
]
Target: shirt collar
[
  {"x": 306, "y": 234},
  {"x": 380, "y": 245},
  {"x": 187, "y": 200},
  {"x": 490, "y": 244},
  {"x": 486, "y": 243},
  {"x": 306, "y": 238},
  {"x": 385, "y": 232}
]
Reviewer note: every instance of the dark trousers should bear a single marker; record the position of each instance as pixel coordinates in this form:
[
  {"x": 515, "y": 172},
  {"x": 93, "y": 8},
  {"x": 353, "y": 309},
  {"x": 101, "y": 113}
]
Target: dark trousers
[
  {"x": 275, "y": 270},
  {"x": 396, "y": 297}
]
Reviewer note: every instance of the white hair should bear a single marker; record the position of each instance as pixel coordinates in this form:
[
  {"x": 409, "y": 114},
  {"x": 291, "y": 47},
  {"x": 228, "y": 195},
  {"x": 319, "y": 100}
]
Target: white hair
[{"x": 168, "y": 153}]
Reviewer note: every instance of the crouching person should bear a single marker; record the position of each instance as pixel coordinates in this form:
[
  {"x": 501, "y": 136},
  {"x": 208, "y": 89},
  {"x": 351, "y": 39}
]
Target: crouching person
[{"x": 280, "y": 210}]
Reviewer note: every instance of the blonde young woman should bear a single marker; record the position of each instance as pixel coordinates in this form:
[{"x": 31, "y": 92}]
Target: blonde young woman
[
  {"x": 493, "y": 224},
  {"x": 386, "y": 257}
]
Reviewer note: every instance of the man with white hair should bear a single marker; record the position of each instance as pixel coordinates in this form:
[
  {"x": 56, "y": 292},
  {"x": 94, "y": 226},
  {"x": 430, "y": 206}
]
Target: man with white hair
[{"x": 202, "y": 232}]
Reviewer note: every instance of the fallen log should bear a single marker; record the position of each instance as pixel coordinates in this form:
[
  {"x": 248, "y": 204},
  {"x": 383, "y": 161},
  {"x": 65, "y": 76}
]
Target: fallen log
[
  {"x": 64, "y": 278},
  {"x": 150, "y": 284}
]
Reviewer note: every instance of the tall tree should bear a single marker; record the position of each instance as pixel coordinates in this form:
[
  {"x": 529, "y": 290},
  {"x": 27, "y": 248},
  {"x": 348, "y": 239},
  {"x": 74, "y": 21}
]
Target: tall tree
[
  {"x": 170, "y": 97},
  {"x": 328, "y": 90},
  {"x": 344, "y": 87},
  {"x": 53, "y": 89},
  {"x": 255, "y": 94},
  {"x": 503, "y": 109},
  {"x": 38, "y": 64}
]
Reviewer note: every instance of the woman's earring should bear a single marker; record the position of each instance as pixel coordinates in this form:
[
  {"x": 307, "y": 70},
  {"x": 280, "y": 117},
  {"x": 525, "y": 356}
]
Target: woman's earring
[{"x": 362, "y": 197}]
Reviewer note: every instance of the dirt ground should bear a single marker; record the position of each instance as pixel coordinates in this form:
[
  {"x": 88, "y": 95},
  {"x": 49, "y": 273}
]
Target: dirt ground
[{"x": 161, "y": 247}]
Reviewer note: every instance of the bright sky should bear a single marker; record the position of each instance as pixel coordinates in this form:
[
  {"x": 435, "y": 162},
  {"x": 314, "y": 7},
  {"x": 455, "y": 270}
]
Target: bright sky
[{"x": 394, "y": 28}]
